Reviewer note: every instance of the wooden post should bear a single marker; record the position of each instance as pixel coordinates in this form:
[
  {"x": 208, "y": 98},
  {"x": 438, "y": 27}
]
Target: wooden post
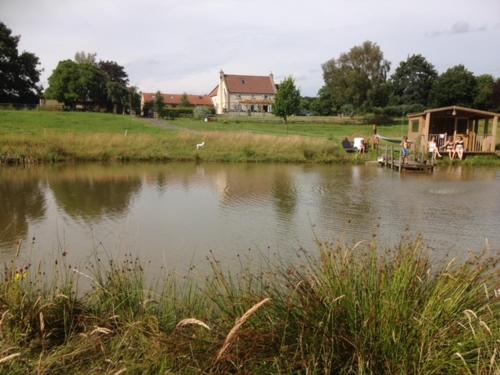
[
  {"x": 385, "y": 158},
  {"x": 455, "y": 129},
  {"x": 427, "y": 126},
  {"x": 494, "y": 133},
  {"x": 392, "y": 157},
  {"x": 400, "y": 160}
]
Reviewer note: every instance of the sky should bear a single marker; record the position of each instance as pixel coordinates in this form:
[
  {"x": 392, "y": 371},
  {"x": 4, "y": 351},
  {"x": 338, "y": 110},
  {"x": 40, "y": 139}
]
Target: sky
[{"x": 180, "y": 46}]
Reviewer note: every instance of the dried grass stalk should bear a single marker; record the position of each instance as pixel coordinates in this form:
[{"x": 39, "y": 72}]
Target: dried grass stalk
[
  {"x": 9, "y": 357},
  {"x": 192, "y": 321},
  {"x": 231, "y": 337},
  {"x": 104, "y": 331}
]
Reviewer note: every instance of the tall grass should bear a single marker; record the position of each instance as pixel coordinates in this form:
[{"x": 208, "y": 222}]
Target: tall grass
[
  {"x": 54, "y": 147},
  {"x": 349, "y": 310}
]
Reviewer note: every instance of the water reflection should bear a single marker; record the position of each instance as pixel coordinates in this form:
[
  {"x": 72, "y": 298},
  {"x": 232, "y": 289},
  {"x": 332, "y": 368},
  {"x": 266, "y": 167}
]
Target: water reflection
[
  {"x": 177, "y": 212},
  {"x": 92, "y": 193},
  {"x": 21, "y": 200}
]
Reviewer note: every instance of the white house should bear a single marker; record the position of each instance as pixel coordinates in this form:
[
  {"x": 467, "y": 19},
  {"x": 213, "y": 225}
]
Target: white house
[{"x": 243, "y": 94}]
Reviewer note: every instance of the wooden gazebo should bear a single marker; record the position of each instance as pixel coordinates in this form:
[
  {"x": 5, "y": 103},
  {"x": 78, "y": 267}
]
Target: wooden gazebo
[{"x": 478, "y": 128}]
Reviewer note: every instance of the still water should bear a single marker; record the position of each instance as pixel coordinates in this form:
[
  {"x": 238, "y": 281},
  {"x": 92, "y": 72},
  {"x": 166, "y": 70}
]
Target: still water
[{"x": 173, "y": 214}]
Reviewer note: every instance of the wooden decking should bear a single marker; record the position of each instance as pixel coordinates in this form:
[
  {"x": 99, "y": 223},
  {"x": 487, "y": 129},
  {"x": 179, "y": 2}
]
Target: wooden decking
[
  {"x": 398, "y": 166},
  {"x": 396, "y": 163}
]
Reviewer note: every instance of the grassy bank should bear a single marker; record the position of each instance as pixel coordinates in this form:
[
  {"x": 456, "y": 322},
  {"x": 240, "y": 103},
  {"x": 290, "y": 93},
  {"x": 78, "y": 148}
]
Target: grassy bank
[
  {"x": 55, "y": 136},
  {"x": 350, "y": 310}
]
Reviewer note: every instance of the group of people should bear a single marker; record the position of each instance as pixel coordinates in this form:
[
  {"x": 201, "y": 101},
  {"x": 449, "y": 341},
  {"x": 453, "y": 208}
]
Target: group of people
[{"x": 452, "y": 147}]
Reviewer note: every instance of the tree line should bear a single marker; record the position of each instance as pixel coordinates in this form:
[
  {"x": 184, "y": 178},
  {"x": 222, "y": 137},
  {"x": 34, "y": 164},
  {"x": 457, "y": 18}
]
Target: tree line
[
  {"x": 82, "y": 82},
  {"x": 358, "y": 81}
]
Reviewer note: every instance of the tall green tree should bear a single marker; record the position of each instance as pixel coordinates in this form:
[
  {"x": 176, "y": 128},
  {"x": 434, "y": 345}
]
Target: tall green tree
[
  {"x": 412, "y": 81},
  {"x": 185, "y": 103},
  {"x": 19, "y": 75},
  {"x": 485, "y": 85},
  {"x": 495, "y": 96},
  {"x": 158, "y": 104},
  {"x": 357, "y": 77},
  {"x": 456, "y": 86},
  {"x": 116, "y": 85},
  {"x": 287, "y": 100},
  {"x": 115, "y": 72},
  {"x": 323, "y": 103},
  {"x": 83, "y": 57},
  {"x": 134, "y": 100},
  {"x": 73, "y": 83}
]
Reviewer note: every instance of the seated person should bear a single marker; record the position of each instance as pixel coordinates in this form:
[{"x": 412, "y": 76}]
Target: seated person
[
  {"x": 449, "y": 147},
  {"x": 359, "y": 144},
  {"x": 459, "y": 147},
  {"x": 433, "y": 149}
]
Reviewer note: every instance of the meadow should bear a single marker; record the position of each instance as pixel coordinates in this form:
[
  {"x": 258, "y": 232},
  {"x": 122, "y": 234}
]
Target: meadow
[
  {"x": 38, "y": 136},
  {"x": 343, "y": 310}
]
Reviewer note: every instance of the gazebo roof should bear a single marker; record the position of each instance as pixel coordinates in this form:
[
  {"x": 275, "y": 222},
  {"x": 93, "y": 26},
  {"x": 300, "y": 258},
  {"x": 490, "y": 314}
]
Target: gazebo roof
[{"x": 470, "y": 112}]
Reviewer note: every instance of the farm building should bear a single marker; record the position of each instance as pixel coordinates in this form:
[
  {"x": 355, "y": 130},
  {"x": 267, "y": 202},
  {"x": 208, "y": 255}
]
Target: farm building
[
  {"x": 478, "y": 128},
  {"x": 174, "y": 100},
  {"x": 243, "y": 94}
]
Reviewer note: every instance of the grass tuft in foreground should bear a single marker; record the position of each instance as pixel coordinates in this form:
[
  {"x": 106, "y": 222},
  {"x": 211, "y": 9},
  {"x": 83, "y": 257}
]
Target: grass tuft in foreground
[{"x": 350, "y": 310}]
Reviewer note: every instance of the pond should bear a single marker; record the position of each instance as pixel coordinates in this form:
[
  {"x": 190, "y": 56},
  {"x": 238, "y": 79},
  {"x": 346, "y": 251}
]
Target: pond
[{"x": 173, "y": 214}]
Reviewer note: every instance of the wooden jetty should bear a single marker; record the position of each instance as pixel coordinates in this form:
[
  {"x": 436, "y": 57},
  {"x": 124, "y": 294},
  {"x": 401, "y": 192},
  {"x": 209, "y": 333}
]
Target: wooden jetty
[{"x": 396, "y": 163}]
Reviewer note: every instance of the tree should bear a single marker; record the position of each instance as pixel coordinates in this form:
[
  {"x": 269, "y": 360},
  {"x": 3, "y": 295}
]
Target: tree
[
  {"x": 19, "y": 75},
  {"x": 134, "y": 100},
  {"x": 412, "y": 81},
  {"x": 85, "y": 58},
  {"x": 287, "y": 99},
  {"x": 323, "y": 104},
  {"x": 158, "y": 104},
  {"x": 485, "y": 85},
  {"x": 495, "y": 96},
  {"x": 116, "y": 73},
  {"x": 185, "y": 103},
  {"x": 73, "y": 83},
  {"x": 456, "y": 86},
  {"x": 356, "y": 77},
  {"x": 116, "y": 85}
]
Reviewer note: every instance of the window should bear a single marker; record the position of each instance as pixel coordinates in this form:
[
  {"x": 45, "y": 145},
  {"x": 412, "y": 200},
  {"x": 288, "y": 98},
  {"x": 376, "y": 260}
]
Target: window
[
  {"x": 415, "y": 125},
  {"x": 243, "y": 81}
]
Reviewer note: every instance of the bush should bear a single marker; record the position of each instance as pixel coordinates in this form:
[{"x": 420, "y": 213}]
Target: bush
[
  {"x": 202, "y": 112},
  {"x": 172, "y": 113},
  {"x": 378, "y": 119}
]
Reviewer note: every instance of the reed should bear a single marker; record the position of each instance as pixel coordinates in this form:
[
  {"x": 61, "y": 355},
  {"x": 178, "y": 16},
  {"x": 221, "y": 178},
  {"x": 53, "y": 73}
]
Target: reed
[{"x": 343, "y": 309}]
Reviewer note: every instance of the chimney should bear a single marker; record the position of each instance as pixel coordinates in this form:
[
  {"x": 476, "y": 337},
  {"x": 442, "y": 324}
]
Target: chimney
[{"x": 272, "y": 76}]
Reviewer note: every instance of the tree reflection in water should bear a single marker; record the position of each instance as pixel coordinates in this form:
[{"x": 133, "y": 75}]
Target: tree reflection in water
[
  {"x": 21, "y": 200},
  {"x": 92, "y": 196}
]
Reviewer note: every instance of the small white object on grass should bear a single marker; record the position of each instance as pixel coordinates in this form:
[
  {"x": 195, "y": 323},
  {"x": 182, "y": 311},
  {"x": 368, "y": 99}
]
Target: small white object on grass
[{"x": 200, "y": 145}]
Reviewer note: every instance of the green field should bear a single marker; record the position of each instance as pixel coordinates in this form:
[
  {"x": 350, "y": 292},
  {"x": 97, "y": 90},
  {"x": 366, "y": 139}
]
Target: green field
[
  {"x": 39, "y": 122},
  {"x": 37, "y": 136},
  {"x": 32, "y": 136},
  {"x": 274, "y": 126}
]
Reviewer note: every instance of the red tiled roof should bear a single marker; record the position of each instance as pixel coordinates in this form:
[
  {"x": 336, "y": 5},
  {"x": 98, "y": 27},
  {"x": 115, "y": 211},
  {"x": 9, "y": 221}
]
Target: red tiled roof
[
  {"x": 214, "y": 91},
  {"x": 250, "y": 84},
  {"x": 175, "y": 99}
]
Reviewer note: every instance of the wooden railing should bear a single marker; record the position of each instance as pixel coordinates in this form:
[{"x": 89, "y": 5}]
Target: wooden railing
[{"x": 473, "y": 142}]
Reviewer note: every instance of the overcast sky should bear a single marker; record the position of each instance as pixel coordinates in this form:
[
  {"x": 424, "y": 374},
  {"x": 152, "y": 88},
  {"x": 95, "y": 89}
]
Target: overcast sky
[{"x": 180, "y": 46}]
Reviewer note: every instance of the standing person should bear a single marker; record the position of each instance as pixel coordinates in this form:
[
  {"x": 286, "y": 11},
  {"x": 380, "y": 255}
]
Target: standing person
[
  {"x": 433, "y": 149},
  {"x": 406, "y": 148},
  {"x": 449, "y": 147},
  {"x": 459, "y": 147}
]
